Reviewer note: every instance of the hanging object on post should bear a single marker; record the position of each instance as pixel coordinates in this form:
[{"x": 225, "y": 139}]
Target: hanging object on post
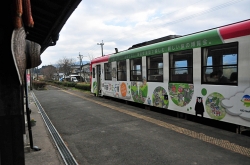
[
  {"x": 18, "y": 46},
  {"x": 18, "y": 14},
  {"x": 33, "y": 54},
  {"x": 27, "y": 15},
  {"x": 23, "y": 14}
]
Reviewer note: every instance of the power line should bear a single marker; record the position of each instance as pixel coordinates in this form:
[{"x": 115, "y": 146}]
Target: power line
[
  {"x": 203, "y": 12},
  {"x": 217, "y": 7},
  {"x": 214, "y": 8},
  {"x": 180, "y": 9}
]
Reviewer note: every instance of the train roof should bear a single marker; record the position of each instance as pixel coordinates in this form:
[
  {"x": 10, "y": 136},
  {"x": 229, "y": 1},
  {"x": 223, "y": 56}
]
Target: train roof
[
  {"x": 201, "y": 39},
  {"x": 169, "y": 37},
  {"x": 100, "y": 59}
]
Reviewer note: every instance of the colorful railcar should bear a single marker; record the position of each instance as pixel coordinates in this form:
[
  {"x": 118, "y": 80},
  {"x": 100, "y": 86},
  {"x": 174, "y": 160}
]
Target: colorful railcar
[{"x": 205, "y": 74}]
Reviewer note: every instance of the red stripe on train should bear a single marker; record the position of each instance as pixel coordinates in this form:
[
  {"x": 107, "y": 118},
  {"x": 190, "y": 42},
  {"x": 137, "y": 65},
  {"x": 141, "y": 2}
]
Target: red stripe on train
[{"x": 235, "y": 30}]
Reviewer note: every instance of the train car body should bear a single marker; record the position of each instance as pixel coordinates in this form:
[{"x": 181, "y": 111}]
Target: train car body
[{"x": 205, "y": 74}]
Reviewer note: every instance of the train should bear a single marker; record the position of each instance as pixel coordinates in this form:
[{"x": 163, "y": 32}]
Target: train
[{"x": 205, "y": 74}]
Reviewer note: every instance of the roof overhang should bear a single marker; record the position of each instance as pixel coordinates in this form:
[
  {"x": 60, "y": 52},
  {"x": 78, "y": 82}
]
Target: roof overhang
[{"x": 49, "y": 17}]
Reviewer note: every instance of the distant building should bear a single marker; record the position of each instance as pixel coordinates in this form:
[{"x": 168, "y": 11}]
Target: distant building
[{"x": 84, "y": 72}]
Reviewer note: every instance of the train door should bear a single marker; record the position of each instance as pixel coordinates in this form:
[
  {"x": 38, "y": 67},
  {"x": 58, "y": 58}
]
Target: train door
[{"x": 98, "y": 78}]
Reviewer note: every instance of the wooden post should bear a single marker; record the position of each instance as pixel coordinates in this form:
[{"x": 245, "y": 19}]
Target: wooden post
[{"x": 11, "y": 100}]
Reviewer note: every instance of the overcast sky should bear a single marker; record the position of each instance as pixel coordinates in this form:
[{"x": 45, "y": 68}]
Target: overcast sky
[{"x": 121, "y": 24}]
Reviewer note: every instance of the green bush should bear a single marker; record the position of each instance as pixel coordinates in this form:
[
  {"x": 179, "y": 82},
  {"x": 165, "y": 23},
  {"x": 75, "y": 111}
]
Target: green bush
[
  {"x": 39, "y": 85},
  {"x": 69, "y": 84},
  {"x": 50, "y": 81},
  {"x": 85, "y": 87},
  {"x": 58, "y": 82}
]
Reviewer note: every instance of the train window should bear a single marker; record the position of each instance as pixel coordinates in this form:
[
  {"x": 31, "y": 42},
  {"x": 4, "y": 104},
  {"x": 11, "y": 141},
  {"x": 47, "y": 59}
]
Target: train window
[
  {"x": 121, "y": 71},
  {"x": 155, "y": 68},
  {"x": 220, "y": 64},
  {"x": 136, "y": 69},
  {"x": 181, "y": 66},
  {"x": 107, "y": 71},
  {"x": 93, "y": 72}
]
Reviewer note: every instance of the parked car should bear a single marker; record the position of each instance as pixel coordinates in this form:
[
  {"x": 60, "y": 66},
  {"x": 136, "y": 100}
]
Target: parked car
[{"x": 73, "y": 79}]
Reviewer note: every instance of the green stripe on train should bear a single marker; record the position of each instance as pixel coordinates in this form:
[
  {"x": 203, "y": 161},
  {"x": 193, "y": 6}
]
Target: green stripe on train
[{"x": 203, "y": 39}]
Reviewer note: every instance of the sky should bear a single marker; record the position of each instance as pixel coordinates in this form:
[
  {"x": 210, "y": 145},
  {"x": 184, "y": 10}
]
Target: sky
[{"x": 121, "y": 24}]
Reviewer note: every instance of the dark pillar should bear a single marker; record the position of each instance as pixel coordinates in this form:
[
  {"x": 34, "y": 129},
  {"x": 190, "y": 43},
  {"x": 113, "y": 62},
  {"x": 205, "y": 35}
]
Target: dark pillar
[{"x": 11, "y": 115}]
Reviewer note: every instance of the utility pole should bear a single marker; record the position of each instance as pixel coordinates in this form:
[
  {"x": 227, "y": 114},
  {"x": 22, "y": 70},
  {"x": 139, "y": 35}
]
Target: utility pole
[
  {"x": 101, "y": 46},
  {"x": 80, "y": 57}
]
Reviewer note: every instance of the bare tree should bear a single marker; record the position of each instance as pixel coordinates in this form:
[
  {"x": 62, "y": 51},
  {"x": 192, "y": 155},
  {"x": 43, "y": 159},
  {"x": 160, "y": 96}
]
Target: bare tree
[
  {"x": 48, "y": 72},
  {"x": 91, "y": 57},
  {"x": 65, "y": 64}
]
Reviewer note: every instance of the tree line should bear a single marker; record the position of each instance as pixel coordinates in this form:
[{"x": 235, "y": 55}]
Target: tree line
[{"x": 63, "y": 65}]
